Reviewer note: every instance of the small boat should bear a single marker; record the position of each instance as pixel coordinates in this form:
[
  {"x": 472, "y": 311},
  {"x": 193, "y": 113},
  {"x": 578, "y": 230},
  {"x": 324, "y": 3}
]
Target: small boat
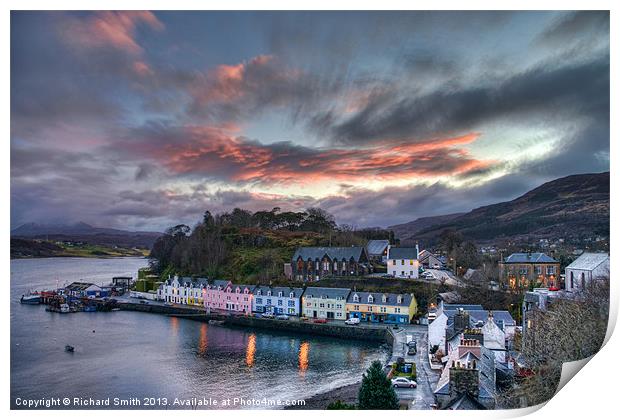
[
  {"x": 69, "y": 348},
  {"x": 115, "y": 309},
  {"x": 30, "y": 299},
  {"x": 90, "y": 308},
  {"x": 64, "y": 308}
]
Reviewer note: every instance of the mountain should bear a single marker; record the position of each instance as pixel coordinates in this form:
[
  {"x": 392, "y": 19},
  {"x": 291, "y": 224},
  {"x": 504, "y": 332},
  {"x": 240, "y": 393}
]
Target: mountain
[
  {"x": 406, "y": 232},
  {"x": 573, "y": 207},
  {"x": 83, "y": 232}
]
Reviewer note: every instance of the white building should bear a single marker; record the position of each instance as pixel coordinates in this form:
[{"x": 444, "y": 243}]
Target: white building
[
  {"x": 403, "y": 262},
  {"x": 585, "y": 269},
  {"x": 182, "y": 290},
  {"x": 325, "y": 302}
]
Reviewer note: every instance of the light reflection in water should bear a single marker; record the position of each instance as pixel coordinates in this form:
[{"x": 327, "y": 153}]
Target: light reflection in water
[
  {"x": 251, "y": 350},
  {"x": 304, "y": 350},
  {"x": 174, "y": 325},
  {"x": 202, "y": 342}
]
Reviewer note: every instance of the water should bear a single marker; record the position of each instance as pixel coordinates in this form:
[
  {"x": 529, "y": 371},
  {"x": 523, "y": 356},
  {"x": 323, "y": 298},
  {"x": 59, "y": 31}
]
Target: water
[{"x": 132, "y": 354}]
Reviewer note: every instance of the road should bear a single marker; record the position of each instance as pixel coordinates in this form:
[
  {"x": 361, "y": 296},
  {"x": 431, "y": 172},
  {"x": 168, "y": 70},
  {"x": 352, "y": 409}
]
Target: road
[{"x": 420, "y": 398}]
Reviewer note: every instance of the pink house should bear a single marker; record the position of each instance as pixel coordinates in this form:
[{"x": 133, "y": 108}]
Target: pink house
[{"x": 224, "y": 296}]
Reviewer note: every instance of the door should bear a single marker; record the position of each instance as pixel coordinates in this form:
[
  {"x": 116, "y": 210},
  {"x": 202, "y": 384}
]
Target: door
[{"x": 313, "y": 314}]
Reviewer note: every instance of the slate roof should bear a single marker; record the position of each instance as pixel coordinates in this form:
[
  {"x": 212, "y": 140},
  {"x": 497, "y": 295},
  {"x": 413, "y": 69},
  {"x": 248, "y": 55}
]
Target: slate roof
[
  {"x": 329, "y": 292},
  {"x": 588, "y": 261},
  {"x": 340, "y": 253},
  {"x": 286, "y": 291},
  {"x": 486, "y": 366},
  {"x": 501, "y": 318},
  {"x": 402, "y": 254},
  {"x": 377, "y": 246},
  {"x": 529, "y": 258},
  {"x": 378, "y": 298},
  {"x": 79, "y": 286}
]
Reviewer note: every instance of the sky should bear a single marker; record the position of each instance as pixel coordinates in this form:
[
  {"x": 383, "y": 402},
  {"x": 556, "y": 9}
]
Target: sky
[{"x": 143, "y": 120}]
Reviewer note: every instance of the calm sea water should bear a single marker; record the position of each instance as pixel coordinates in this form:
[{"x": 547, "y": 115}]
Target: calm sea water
[{"x": 131, "y": 354}]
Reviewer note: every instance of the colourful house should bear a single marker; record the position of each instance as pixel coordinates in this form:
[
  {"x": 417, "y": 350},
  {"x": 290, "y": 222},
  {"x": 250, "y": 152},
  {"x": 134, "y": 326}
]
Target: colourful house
[
  {"x": 389, "y": 308},
  {"x": 224, "y": 296},
  {"x": 325, "y": 302}
]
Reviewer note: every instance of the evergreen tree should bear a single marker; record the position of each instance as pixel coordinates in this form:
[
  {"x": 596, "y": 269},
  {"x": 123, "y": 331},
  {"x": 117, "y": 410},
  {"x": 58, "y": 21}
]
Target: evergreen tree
[{"x": 376, "y": 392}]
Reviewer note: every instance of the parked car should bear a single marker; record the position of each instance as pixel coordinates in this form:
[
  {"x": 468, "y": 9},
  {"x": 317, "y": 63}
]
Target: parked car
[
  {"x": 269, "y": 315},
  {"x": 411, "y": 351},
  {"x": 403, "y": 383},
  {"x": 412, "y": 343},
  {"x": 428, "y": 275},
  {"x": 320, "y": 321},
  {"x": 352, "y": 321},
  {"x": 283, "y": 317},
  {"x": 168, "y": 304}
]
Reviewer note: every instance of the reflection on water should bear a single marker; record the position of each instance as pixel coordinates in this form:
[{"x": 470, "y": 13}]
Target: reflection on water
[
  {"x": 137, "y": 354},
  {"x": 304, "y": 350},
  {"x": 174, "y": 325},
  {"x": 202, "y": 341},
  {"x": 251, "y": 350}
]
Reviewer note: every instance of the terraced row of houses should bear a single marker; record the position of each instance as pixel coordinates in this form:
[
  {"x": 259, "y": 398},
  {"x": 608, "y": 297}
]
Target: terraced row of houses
[{"x": 311, "y": 302}]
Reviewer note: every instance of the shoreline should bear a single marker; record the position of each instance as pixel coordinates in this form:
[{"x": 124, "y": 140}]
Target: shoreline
[{"x": 347, "y": 394}]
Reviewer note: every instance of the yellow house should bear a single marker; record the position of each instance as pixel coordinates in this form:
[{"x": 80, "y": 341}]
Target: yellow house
[
  {"x": 325, "y": 302},
  {"x": 389, "y": 308}
]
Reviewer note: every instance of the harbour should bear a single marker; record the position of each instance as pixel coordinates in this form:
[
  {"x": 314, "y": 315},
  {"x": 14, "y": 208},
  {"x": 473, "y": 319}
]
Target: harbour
[{"x": 137, "y": 353}]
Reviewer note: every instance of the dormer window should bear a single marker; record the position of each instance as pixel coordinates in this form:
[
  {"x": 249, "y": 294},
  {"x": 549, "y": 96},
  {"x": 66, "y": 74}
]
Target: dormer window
[
  {"x": 268, "y": 292},
  {"x": 384, "y": 298},
  {"x": 356, "y": 298},
  {"x": 279, "y": 294},
  {"x": 258, "y": 292},
  {"x": 399, "y": 299},
  {"x": 237, "y": 290},
  {"x": 370, "y": 299},
  {"x": 291, "y": 295}
]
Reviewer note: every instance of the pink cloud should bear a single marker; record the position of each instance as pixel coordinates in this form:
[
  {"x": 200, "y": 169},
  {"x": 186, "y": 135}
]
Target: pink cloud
[{"x": 109, "y": 29}]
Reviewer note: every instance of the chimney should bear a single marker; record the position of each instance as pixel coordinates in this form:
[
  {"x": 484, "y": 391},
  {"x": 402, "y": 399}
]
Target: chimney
[
  {"x": 461, "y": 320},
  {"x": 470, "y": 345},
  {"x": 417, "y": 251},
  {"x": 464, "y": 379}
]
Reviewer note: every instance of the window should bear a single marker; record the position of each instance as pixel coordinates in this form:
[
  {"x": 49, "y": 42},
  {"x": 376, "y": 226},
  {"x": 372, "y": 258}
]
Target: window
[
  {"x": 410, "y": 262},
  {"x": 326, "y": 266},
  {"x": 370, "y": 299},
  {"x": 356, "y": 307},
  {"x": 279, "y": 294},
  {"x": 259, "y": 301},
  {"x": 279, "y": 302},
  {"x": 291, "y": 303},
  {"x": 291, "y": 295},
  {"x": 393, "y": 262},
  {"x": 338, "y": 306},
  {"x": 402, "y": 262},
  {"x": 268, "y": 301},
  {"x": 550, "y": 270},
  {"x": 539, "y": 270},
  {"x": 356, "y": 298},
  {"x": 321, "y": 305},
  {"x": 572, "y": 280}
]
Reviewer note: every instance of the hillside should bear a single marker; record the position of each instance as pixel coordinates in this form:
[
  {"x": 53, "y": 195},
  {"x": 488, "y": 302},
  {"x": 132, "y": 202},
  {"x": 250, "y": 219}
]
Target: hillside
[
  {"x": 407, "y": 231},
  {"x": 85, "y": 233},
  {"x": 37, "y": 248},
  {"x": 573, "y": 207}
]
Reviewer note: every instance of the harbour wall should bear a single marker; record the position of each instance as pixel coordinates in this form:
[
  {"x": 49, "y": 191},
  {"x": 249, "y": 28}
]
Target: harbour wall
[{"x": 376, "y": 334}]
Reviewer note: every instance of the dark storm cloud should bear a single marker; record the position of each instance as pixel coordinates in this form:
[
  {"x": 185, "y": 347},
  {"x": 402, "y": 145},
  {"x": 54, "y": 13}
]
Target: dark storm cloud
[
  {"x": 540, "y": 94},
  {"x": 577, "y": 26}
]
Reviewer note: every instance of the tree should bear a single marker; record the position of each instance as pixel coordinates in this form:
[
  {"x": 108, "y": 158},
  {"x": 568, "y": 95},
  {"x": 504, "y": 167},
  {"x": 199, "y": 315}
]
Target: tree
[
  {"x": 570, "y": 329},
  {"x": 376, "y": 392}
]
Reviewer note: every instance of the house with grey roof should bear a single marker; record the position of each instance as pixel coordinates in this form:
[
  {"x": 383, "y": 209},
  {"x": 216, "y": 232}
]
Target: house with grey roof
[
  {"x": 403, "y": 262},
  {"x": 388, "y": 308},
  {"x": 314, "y": 263},
  {"x": 182, "y": 290},
  {"x": 454, "y": 319},
  {"x": 584, "y": 270},
  {"x": 522, "y": 269},
  {"x": 325, "y": 302},
  {"x": 377, "y": 249},
  {"x": 429, "y": 260},
  {"x": 469, "y": 375},
  {"x": 277, "y": 300}
]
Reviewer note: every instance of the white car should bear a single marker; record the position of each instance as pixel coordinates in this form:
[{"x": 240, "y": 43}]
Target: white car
[
  {"x": 352, "y": 321},
  {"x": 403, "y": 383},
  {"x": 428, "y": 275}
]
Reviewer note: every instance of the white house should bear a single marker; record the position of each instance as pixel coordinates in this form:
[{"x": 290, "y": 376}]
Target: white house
[
  {"x": 585, "y": 269},
  {"x": 277, "y": 300},
  {"x": 403, "y": 262},
  {"x": 182, "y": 290}
]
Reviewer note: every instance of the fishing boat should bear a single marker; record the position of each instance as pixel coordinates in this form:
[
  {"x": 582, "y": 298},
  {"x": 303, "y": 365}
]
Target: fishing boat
[{"x": 30, "y": 299}]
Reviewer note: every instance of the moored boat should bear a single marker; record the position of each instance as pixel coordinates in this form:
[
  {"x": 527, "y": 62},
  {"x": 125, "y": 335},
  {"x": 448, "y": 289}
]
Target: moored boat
[{"x": 30, "y": 299}]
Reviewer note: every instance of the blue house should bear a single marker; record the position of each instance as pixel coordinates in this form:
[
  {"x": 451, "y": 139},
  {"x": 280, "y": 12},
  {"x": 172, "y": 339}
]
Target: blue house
[{"x": 277, "y": 300}]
